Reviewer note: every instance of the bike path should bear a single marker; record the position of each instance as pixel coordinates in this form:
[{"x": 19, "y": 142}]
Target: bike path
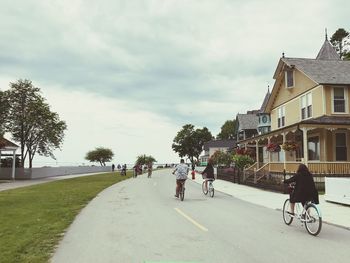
[{"x": 332, "y": 213}]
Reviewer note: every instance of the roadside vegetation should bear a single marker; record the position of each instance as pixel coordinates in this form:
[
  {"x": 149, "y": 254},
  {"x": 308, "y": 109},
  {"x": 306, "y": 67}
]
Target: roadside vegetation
[{"x": 34, "y": 219}]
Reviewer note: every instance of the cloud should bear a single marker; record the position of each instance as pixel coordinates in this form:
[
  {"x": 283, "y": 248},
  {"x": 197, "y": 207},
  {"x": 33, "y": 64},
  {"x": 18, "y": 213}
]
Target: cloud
[{"x": 182, "y": 61}]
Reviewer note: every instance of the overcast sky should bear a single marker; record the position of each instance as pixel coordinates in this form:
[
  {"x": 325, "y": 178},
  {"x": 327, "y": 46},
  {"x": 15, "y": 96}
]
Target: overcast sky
[{"x": 128, "y": 75}]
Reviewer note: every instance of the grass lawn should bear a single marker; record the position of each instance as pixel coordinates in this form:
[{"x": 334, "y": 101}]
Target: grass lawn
[{"x": 34, "y": 218}]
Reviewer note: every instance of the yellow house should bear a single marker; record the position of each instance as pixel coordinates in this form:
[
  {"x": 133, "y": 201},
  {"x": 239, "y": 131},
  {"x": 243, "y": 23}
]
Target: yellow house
[{"x": 309, "y": 108}]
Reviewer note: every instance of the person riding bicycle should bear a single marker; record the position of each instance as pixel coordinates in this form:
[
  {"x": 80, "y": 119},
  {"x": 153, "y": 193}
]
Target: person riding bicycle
[
  {"x": 208, "y": 173},
  {"x": 305, "y": 189},
  {"x": 181, "y": 171}
]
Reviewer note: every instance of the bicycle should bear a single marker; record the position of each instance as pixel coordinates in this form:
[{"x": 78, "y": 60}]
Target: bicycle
[
  {"x": 309, "y": 215},
  {"x": 182, "y": 190},
  {"x": 210, "y": 187}
]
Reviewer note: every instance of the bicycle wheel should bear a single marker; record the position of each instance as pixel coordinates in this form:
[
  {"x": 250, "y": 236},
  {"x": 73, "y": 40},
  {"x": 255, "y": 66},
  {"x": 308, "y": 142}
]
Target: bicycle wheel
[
  {"x": 211, "y": 189},
  {"x": 287, "y": 218},
  {"x": 313, "y": 220},
  {"x": 182, "y": 192},
  {"x": 204, "y": 189}
]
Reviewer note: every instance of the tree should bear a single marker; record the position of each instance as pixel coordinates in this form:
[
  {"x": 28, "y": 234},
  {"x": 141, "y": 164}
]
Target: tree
[
  {"x": 242, "y": 161},
  {"x": 222, "y": 158},
  {"x": 227, "y": 130},
  {"x": 100, "y": 155},
  {"x": 47, "y": 134},
  {"x": 189, "y": 142},
  {"x": 143, "y": 159},
  {"x": 4, "y": 105},
  {"x": 341, "y": 42},
  {"x": 31, "y": 123}
]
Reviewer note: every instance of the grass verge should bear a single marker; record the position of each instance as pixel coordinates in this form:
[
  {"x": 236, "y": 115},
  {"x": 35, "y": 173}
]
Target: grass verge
[{"x": 34, "y": 218}]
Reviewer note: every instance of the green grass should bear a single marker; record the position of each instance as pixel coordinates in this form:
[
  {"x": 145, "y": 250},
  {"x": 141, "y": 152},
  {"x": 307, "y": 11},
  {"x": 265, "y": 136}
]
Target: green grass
[{"x": 33, "y": 219}]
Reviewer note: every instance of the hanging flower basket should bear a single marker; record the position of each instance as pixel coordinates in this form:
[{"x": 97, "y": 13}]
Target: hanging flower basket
[
  {"x": 290, "y": 146},
  {"x": 273, "y": 147}
]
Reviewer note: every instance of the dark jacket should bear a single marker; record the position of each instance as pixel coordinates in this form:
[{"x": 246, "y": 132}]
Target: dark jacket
[
  {"x": 305, "y": 189},
  {"x": 208, "y": 171}
]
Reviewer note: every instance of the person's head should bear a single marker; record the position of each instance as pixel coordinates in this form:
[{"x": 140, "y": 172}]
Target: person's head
[
  {"x": 302, "y": 169},
  {"x": 182, "y": 161},
  {"x": 210, "y": 161}
]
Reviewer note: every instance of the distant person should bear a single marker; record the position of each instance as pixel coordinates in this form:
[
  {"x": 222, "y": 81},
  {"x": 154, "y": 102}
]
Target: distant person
[
  {"x": 181, "y": 171},
  {"x": 305, "y": 189},
  {"x": 123, "y": 172},
  {"x": 149, "y": 169},
  {"x": 119, "y": 167},
  {"x": 136, "y": 168},
  {"x": 113, "y": 166},
  {"x": 208, "y": 173}
]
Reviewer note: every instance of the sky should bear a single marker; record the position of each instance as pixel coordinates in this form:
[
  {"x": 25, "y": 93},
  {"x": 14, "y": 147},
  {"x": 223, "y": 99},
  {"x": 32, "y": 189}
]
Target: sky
[{"x": 127, "y": 75}]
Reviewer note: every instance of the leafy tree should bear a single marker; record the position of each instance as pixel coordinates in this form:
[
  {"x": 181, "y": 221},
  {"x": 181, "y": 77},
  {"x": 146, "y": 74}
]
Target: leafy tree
[
  {"x": 4, "y": 105},
  {"x": 227, "y": 130},
  {"x": 47, "y": 134},
  {"x": 341, "y": 42},
  {"x": 144, "y": 159},
  {"x": 31, "y": 123},
  {"x": 189, "y": 142},
  {"x": 100, "y": 155},
  {"x": 222, "y": 158}
]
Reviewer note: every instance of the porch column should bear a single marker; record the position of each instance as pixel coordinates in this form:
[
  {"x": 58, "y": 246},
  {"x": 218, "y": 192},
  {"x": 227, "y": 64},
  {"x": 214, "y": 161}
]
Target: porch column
[
  {"x": 284, "y": 152},
  {"x": 257, "y": 153},
  {"x": 269, "y": 153},
  {"x": 306, "y": 156},
  {"x": 13, "y": 164}
]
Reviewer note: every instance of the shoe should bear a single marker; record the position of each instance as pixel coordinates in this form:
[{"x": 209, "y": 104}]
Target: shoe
[{"x": 176, "y": 196}]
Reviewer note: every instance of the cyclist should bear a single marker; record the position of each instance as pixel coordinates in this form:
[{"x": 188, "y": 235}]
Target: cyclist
[
  {"x": 208, "y": 173},
  {"x": 180, "y": 172},
  {"x": 305, "y": 189}
]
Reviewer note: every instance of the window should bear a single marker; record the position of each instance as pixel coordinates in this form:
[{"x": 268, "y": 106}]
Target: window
[
  {"x": 339, "y": 100},
  {"x": 313, "y": 145},
  {"x": 281, "y": 117},
  {"x": 340, "y": 147},
  {"x": 306, "y": 106},
  {"x": 289, "y": 77}
]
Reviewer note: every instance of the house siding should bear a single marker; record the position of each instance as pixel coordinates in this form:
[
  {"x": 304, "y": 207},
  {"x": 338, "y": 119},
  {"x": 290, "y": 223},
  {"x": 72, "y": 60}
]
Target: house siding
[{"x": 302, "y": 84}]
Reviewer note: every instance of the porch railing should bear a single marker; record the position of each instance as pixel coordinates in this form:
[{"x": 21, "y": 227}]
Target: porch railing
[{"x": 329, "y": 167}]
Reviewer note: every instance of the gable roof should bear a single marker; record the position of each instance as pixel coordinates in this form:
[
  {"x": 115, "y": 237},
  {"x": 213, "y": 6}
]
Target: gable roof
[
  {"x": 219, "y": 144},
  {"x": 4, "y": 143},
  {"x": 247, "y": 121},
  {"x": 336, "y": 72},
  {"x": 327, "y": 52}
]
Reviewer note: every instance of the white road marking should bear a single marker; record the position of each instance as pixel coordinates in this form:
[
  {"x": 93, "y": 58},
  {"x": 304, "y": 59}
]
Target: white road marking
[{"x": 191, "y": 220}]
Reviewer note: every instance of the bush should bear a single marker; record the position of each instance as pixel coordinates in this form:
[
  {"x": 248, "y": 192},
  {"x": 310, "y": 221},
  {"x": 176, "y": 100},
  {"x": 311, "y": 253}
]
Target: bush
[{"x": 242, "y": 161}]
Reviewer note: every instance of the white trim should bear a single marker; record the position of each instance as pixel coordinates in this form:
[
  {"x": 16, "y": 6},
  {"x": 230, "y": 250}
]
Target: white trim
[
  {"x": 306, "y": 105},
  {"x": 335, "y": 144},
  {"x": 286, "y": 79},
  {"x": 346, "y": 98},
  {"x": 311, "y": 135}
]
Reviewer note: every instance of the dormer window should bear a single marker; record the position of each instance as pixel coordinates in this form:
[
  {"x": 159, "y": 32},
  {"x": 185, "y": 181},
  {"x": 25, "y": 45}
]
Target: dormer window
[{"x": 289, "y": 78}]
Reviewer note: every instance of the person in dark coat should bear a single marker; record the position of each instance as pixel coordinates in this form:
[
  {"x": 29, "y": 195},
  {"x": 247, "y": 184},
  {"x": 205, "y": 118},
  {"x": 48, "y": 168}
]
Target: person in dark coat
[
  {"x": 208, "y": 173},
  {"x": 305, "y": 189}
]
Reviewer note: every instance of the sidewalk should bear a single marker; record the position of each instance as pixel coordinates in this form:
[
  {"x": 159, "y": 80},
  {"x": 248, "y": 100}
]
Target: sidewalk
[{"x": 332, "y": 213}]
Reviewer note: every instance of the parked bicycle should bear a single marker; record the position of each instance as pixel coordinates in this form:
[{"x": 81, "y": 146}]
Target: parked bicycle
[
  {"x": 208, "y": 187},
  {"x": 309, "y": 215}
]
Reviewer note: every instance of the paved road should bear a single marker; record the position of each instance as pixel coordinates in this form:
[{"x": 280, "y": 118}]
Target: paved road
[{"x": 139, "y": 220}]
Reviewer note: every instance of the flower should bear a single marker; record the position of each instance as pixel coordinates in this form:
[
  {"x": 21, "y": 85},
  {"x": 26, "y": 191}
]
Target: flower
[
  {"x": 273, "y": 147},
  {"x": 289, "y": 146}
]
